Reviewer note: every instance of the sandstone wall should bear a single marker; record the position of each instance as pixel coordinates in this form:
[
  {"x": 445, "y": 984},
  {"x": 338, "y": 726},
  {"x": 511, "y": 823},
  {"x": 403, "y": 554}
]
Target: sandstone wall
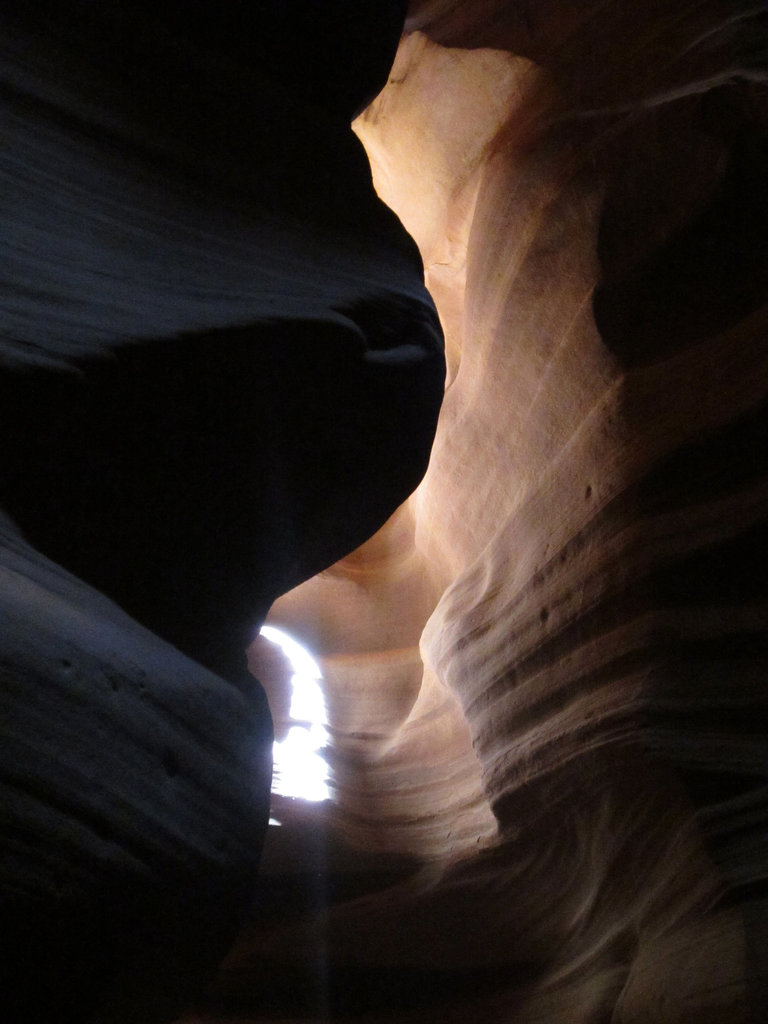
[{"x": 581, "y": 569}]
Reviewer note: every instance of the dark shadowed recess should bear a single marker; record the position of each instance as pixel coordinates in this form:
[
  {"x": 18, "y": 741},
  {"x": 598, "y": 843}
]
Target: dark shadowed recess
[
  {"x": 193, "y": 225},
  {"x": 332, "y": 991},
  {"x": 71, "y": 954},
  {"x": 221, "y": 373},
  {"x": 316, "y": 986},
  {"x": 192, "y": 480},
  {"x": 714, "y": 270},
  {"x": 335, "y": 54}
]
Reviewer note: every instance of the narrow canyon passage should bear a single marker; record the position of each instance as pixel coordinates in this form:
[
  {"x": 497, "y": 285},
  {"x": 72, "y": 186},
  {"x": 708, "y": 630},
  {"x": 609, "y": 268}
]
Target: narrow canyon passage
[
  {"x": 545, "y": 676},
  {"x": 529, "y": 579}
]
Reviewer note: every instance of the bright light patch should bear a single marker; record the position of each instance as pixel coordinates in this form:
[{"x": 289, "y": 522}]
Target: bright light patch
[{"x": 300, "y": 770}]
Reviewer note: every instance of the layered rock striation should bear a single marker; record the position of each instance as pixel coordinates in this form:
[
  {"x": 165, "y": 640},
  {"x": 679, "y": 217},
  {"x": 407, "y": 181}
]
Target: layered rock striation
[
  {"x": 546, "y": 674},
  {"x": 545, "y": 670}
]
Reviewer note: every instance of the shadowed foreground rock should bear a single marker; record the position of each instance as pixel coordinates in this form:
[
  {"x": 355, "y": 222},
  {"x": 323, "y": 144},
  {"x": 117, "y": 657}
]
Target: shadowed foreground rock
[
  {"x": 219, "y": 372},
  {"x": 134, "y": 805}
]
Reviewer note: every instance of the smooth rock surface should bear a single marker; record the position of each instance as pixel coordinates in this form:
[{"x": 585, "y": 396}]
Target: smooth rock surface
[
  {"x": 134, "y": 804},
  {"x": 546, "y": 672},
  {"x": 219, "y": 372},
  {"x": 579, "y": 762}
]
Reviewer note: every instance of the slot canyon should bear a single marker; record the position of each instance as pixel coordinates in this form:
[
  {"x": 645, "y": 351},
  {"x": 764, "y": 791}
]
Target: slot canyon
[{"x": 434, "y": 334}]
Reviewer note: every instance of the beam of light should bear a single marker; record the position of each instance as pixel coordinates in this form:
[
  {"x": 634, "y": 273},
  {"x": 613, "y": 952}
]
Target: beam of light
[{"x": 299, "y": 767}]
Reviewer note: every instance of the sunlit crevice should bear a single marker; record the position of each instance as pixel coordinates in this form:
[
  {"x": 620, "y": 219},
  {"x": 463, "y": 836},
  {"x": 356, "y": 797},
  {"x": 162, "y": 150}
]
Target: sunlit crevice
[{"x": 300, "y": 770}]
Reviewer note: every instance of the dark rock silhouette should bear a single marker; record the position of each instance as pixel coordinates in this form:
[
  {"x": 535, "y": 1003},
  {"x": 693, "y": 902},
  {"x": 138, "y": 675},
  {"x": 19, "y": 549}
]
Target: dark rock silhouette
[{"x": 219, "y": 372}]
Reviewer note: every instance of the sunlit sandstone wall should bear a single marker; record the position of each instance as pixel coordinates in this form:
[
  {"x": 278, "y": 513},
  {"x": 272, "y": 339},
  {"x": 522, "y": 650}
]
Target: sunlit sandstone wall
[{"x": 581, "y": 571}]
